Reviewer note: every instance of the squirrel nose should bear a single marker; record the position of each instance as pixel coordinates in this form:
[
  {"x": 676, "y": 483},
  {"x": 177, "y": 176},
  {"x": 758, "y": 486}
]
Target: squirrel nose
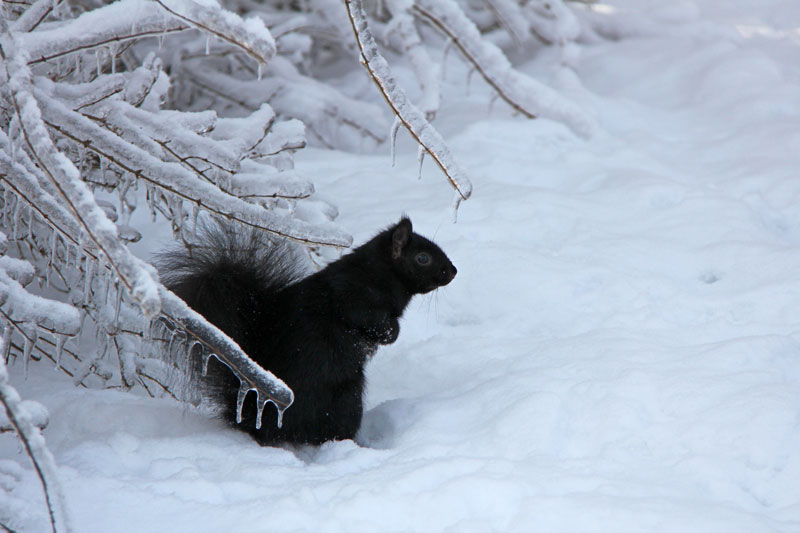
[{"x": 448, "y": 273}]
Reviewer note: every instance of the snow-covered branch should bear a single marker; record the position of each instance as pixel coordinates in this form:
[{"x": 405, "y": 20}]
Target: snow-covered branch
[
  {"x": 63, "y": 175},
  {"x": 104, "y": 26},
  {"x": 524, "y": 94},
  {"x": 250, "y": 35},
  {"x": 176, "y": 180},
  {"x": 406, "y": 112},
  {"x": 426, "y": 70}
]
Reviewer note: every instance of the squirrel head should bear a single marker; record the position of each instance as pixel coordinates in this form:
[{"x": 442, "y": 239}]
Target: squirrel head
[{"x": 420, "y": 263}]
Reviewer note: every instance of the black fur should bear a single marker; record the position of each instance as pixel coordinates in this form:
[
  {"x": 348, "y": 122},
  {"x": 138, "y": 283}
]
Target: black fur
[{"x": 315, "y": 333}]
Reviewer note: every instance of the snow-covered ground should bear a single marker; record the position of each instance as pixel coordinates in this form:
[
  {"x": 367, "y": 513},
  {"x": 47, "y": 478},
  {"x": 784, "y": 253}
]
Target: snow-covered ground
[{"x": 619, "y": 352}]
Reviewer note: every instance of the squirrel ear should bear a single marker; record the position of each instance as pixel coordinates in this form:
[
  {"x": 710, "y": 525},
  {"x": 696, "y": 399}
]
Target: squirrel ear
[{"x": 400, "y": 237}]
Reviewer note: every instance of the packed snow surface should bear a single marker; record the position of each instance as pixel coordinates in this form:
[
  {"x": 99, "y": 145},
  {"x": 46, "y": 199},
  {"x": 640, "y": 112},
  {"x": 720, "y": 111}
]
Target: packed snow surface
[{"x": 619, "y": 352}]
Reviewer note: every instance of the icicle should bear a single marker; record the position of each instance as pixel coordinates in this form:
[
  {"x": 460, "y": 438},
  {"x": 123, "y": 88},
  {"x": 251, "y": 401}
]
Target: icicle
[
  {"x": 106, "y": 283},
  {"x": 106, "y": 345},
  {"x": 208, "y": 45},
  {"x": 97, "y": 58},
  {"x": 469, "y": 80},
  {"x": 261, "y": 402},
  {"x": 147, "y": 329},
  {"x": 61, "y": 340},
  {"x": 87, "y": 279},
  {"x": 160, "y": 41},
  {"x": 457, "y": 199},
  {"x": 118, "y": 305},
  {"x": 15, "y": 220},
  {"x": 81, "y": 329},
  {"x": 7, "y": 195},
  {"x": 492, "y": 100},
  {"x": 195, "y": 215},
  {"x": 53, "y": 247},
  {"x": 151, "y": 201},
  {"x": 281, "y": 410},
  {"x": 7, "y": 336},
  {"x": 113, "y": 53},
  {"x": 126, "y": 206},
  {"x": 31, "y": 219},
  {"x": 445, "y": 52},
  {"x": 190, "y": 348},
  {"x": 393, "y": 137},
  {"x": 30, "y": 342},
  {"x": 420, "y": 159},
  {"x": 206, "y": 358},
  {"x": 243, "y": 390},
  {"x": 259, "y": 70},
  {"x": 171, "y": 340}
]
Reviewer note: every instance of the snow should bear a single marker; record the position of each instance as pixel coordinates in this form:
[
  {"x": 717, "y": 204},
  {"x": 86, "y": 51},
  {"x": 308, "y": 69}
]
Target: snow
[{"x": 620, "y": 350}]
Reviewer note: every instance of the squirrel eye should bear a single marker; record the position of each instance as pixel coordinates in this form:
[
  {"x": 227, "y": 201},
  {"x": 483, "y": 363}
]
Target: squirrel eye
[{"x": 423, "y": 259}]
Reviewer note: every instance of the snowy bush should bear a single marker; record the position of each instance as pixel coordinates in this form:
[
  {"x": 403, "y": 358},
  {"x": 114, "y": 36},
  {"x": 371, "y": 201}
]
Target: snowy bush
[{"x": 196, "y": 111}]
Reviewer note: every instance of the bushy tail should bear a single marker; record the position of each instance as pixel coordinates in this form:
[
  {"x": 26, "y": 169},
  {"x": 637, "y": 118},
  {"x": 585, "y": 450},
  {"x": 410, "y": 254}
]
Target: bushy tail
[{"x": 227, "y": 271}]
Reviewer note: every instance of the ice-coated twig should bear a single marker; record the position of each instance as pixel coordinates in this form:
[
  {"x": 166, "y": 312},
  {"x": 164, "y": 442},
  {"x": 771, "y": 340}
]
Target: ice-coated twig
[
  {"x": 411, "y": 117},
  {"x": 173, "y": 309},
  {"x": 181, "y": 182},
  {"x": 63, "y": 175},
  {"x": 17, "y": 308},
  {"x": 35, "y": 15},
  {"x": 17, "y": 179},
  {"x": 35, "y": 447},
  {"x": 250, "y": 35},
  {"x": 22, "y": 306},
  {"x": 426, "y": 70},
  {"x": 322, "y": 108},
  {"x": 522, "y": 93},
  {"x": 100, "y": 27}
]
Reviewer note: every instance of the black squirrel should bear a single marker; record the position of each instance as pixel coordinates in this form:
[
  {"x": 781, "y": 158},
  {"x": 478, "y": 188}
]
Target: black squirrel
[{"x": 316, "y": 333}]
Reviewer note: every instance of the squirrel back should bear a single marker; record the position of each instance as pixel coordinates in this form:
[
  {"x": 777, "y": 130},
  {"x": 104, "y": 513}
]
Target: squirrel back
[{"x": 316, "y": 332}]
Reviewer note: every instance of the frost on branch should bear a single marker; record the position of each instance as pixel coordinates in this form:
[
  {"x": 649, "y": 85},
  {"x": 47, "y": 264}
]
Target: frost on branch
[
  {"x": 521, "y": 92},
  {"x": 406, "y": 112}
]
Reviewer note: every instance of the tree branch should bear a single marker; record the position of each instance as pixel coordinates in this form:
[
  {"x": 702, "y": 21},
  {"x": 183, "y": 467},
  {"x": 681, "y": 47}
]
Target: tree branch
[{"x": 410, "y": 116}]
